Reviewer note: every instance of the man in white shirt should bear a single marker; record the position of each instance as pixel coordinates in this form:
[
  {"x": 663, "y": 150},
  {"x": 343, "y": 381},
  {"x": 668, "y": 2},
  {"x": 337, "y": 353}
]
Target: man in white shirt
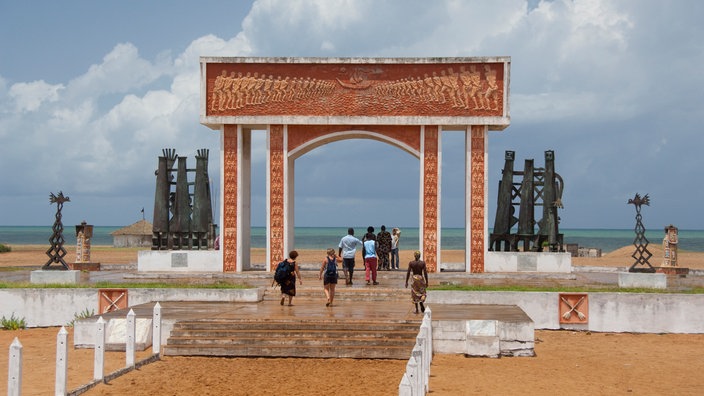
[{"x": 347, "y": 249}]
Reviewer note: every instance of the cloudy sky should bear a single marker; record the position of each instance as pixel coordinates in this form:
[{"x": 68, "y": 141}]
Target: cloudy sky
[{"x": 90, "y": 92}]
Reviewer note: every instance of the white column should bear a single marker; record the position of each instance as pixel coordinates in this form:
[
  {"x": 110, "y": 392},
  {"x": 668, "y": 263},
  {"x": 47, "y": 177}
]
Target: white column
[
  {"x": 99, "y": 352},
  {"x": 14, "y": 370},
  {"x": 130, "y": 338},
  {"x": 156, "y": 329},
  {"x": 61, "y": 362}
]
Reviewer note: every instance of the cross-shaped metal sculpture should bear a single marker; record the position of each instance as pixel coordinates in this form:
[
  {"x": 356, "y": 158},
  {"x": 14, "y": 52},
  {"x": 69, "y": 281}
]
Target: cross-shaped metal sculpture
[
  {"x": 641, "y": 254},
  {"x": 57, "y": 252}
]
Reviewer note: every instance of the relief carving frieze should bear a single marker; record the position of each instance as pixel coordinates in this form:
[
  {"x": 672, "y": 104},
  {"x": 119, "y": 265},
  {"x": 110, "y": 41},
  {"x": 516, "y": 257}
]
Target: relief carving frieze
[{"x": 452, "y": 89}]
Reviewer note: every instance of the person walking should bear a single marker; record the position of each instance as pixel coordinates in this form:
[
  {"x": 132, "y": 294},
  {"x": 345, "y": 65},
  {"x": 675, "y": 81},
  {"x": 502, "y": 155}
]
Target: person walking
[
  {"x": 420, "y": 281},
  {"x": 369, "y": 255},
  {"x": 288, "y": 286},
  {"x": 329, "y": 268},
  {"x": 384, "y": 248},
  {"x": 347, "y": 250},
  {"x": 395, "y": 236}
]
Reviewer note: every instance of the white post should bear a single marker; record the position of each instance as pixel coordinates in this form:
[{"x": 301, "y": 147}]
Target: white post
[
  {"x": 130, "y": 338},
  {"x": 417, "y": 353},
  {"x": 99, "y": 353},
  {"x": 61, "y": 362},
  {"x": 404, "y": 388},
  {"x": 14, "y": 369},
  {"x": 156, "y": 329},
  {"x": 412, "y": 373}
]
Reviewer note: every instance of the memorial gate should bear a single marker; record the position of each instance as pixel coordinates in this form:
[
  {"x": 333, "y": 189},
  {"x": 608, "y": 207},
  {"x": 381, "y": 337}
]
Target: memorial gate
[{"x": 305, "y": 103}]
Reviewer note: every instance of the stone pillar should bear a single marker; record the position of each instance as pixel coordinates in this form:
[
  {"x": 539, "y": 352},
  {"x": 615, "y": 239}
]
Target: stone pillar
[
  {"x": 84, "y": 233},
  {"x": 430, "y": 196},
  {"x": 476, "y": 196},
  {"x": 277, "y": 193},
  {"x": 229, "y": 231}
]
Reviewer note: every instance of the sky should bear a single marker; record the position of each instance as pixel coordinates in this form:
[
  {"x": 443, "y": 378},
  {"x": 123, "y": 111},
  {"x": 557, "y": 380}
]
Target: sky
[{"x": 91, "y": 92}]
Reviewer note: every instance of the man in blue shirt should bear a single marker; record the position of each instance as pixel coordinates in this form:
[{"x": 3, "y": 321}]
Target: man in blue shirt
[{"x": 347, "y": 249}]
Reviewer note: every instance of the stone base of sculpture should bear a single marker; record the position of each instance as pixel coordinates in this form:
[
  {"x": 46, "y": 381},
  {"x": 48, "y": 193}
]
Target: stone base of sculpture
[
  {"x": 53, "y": 276},
  {"x": 84, "y": 266},
  {"x": 642, "y": 280},
  {"x": 528, "y": 262},
  {"x": 672, "y": 270},
  {"x": 179, "y": 261}
]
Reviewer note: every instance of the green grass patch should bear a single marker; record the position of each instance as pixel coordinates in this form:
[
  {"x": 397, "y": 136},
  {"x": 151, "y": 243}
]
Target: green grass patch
[
  {"x": 5, "y": 248},
  {"x": 606, "y": 289},
  {"x": 114, "y": 285}
]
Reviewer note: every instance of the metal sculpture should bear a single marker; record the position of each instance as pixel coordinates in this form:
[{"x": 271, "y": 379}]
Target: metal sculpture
[
  {"x": 183, "y": 220},
  {"x": 57, "y": 252},
  {"x": 538, "y": 187},
  {"x": 641, "y": 254}
]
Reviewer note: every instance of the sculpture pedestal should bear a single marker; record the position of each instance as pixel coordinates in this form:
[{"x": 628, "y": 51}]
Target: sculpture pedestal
[
  {"x": 641, "y": 279},
  {"x": 672, "y": 270},
  {"x": 528, "y": 262},
  {"x": 55, "y": 276},
  {"x": 84, "y": 266}
]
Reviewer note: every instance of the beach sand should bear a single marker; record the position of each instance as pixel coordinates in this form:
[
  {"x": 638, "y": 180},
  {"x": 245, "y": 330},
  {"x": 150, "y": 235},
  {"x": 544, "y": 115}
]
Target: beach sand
[{"x": 566, "y": 362}]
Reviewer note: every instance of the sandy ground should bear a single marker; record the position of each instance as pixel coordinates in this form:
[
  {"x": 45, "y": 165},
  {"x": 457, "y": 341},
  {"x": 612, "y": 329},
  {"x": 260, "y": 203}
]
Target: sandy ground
[
  {"x": 566, "y": 362},
  {"x": 35, "y": 255}
]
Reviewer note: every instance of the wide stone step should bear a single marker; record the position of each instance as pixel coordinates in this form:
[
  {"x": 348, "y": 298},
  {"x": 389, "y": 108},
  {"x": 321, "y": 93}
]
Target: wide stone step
[
  {"x": 328, "y": 338},
  {"x": 325, "y": 351},
  {"x": 285, "y": 339},
  {"x": 343, "y": 293},
  {"x": 214, "y": 326}
]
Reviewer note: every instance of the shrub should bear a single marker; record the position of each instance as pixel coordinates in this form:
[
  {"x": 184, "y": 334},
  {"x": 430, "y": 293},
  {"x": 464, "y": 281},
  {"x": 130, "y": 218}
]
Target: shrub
[
  {"x": 5, "y": 248},
  {"x": 13, "y": 323},
  {"x": 81, "y": 315}
]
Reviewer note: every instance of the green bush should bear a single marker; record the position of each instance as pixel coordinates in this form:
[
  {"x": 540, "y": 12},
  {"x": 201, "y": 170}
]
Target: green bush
[
  {"x": 5, "y": 248},
  {"x": 13, "y": 323},
  {"x": 81, "y": 315}
]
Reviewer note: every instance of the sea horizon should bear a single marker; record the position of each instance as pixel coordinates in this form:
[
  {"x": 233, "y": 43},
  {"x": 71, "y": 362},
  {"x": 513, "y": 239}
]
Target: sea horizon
[{"x": 323, "y": 237}]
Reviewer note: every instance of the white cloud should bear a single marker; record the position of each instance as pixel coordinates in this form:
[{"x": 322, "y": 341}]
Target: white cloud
[{"x": 29, "y": 96}]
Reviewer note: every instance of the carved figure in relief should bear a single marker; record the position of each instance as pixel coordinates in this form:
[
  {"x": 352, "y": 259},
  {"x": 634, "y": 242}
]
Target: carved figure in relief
[
  {"x": 218, "y": 89},
  {"x": 491, "y": 94},
  {"x": 471, "y": 81}
]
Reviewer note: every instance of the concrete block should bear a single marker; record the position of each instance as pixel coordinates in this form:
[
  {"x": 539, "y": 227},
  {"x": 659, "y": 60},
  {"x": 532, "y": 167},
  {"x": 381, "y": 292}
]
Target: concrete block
[
  {"x": 116, "y": 334},
  {"x": 488, "y": 346},
  {"x": 55, "y": 276},
  {"x": 528, "y": 262},
  {"x": 641, "y": 279},
  {"x": 179, "y": 261},
  {"x": 481, "y": 328}
]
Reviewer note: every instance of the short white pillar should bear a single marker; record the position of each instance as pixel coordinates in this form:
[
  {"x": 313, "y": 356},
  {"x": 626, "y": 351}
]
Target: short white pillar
[{"x": 61, "y": 362}]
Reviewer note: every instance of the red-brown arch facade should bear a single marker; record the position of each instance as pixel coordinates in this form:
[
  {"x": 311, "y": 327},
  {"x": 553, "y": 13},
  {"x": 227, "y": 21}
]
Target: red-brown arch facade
[{"x": 305, "y": 103}]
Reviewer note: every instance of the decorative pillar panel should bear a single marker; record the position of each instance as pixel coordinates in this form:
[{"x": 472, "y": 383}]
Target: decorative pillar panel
[
  {"x": 478, "y": 197},
  {"x": 228, "y": 235},
  {"x": 430, "y": 199},
  {"x": 276, "y": 195}
]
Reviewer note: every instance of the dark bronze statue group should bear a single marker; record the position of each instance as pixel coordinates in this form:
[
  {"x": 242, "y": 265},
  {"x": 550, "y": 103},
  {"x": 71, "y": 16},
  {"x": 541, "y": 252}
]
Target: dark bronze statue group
[
  {"x": 183, "y": 213},
  {"x": 526, "y": 190}
]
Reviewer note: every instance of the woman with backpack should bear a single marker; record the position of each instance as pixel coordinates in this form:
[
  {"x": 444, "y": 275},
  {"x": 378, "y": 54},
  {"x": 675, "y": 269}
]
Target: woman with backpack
[
  {"x": 288, "y": 281},
  {"x": 328, "y": 273}
]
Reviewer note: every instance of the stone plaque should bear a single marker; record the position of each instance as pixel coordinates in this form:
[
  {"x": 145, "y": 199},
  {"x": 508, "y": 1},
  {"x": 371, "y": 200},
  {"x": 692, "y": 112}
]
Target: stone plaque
[{"x": 179, "y": 260}]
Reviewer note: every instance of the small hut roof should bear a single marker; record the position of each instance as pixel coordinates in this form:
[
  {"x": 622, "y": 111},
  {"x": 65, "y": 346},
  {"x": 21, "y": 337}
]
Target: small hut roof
[{"x": 141, "y": 227}]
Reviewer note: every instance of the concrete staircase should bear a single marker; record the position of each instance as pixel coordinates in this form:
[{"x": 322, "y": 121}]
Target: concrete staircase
[
  {"x": 368, "y": 339},
  {"x": 326, "y": 336}
]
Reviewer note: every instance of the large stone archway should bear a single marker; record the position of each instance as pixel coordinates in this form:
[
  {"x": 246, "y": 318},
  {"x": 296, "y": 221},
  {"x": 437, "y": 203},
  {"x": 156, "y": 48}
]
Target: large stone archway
[{"x": 304, "y": 103}]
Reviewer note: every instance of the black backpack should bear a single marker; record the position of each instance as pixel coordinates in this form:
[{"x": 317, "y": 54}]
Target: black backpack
[
  {"x": 283, "y": 272},
  {"x": 331, "y": 270}
]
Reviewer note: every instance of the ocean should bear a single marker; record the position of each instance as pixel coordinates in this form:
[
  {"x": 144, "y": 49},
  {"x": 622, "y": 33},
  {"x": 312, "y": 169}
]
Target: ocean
[{"x": 324, "y": 237}]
